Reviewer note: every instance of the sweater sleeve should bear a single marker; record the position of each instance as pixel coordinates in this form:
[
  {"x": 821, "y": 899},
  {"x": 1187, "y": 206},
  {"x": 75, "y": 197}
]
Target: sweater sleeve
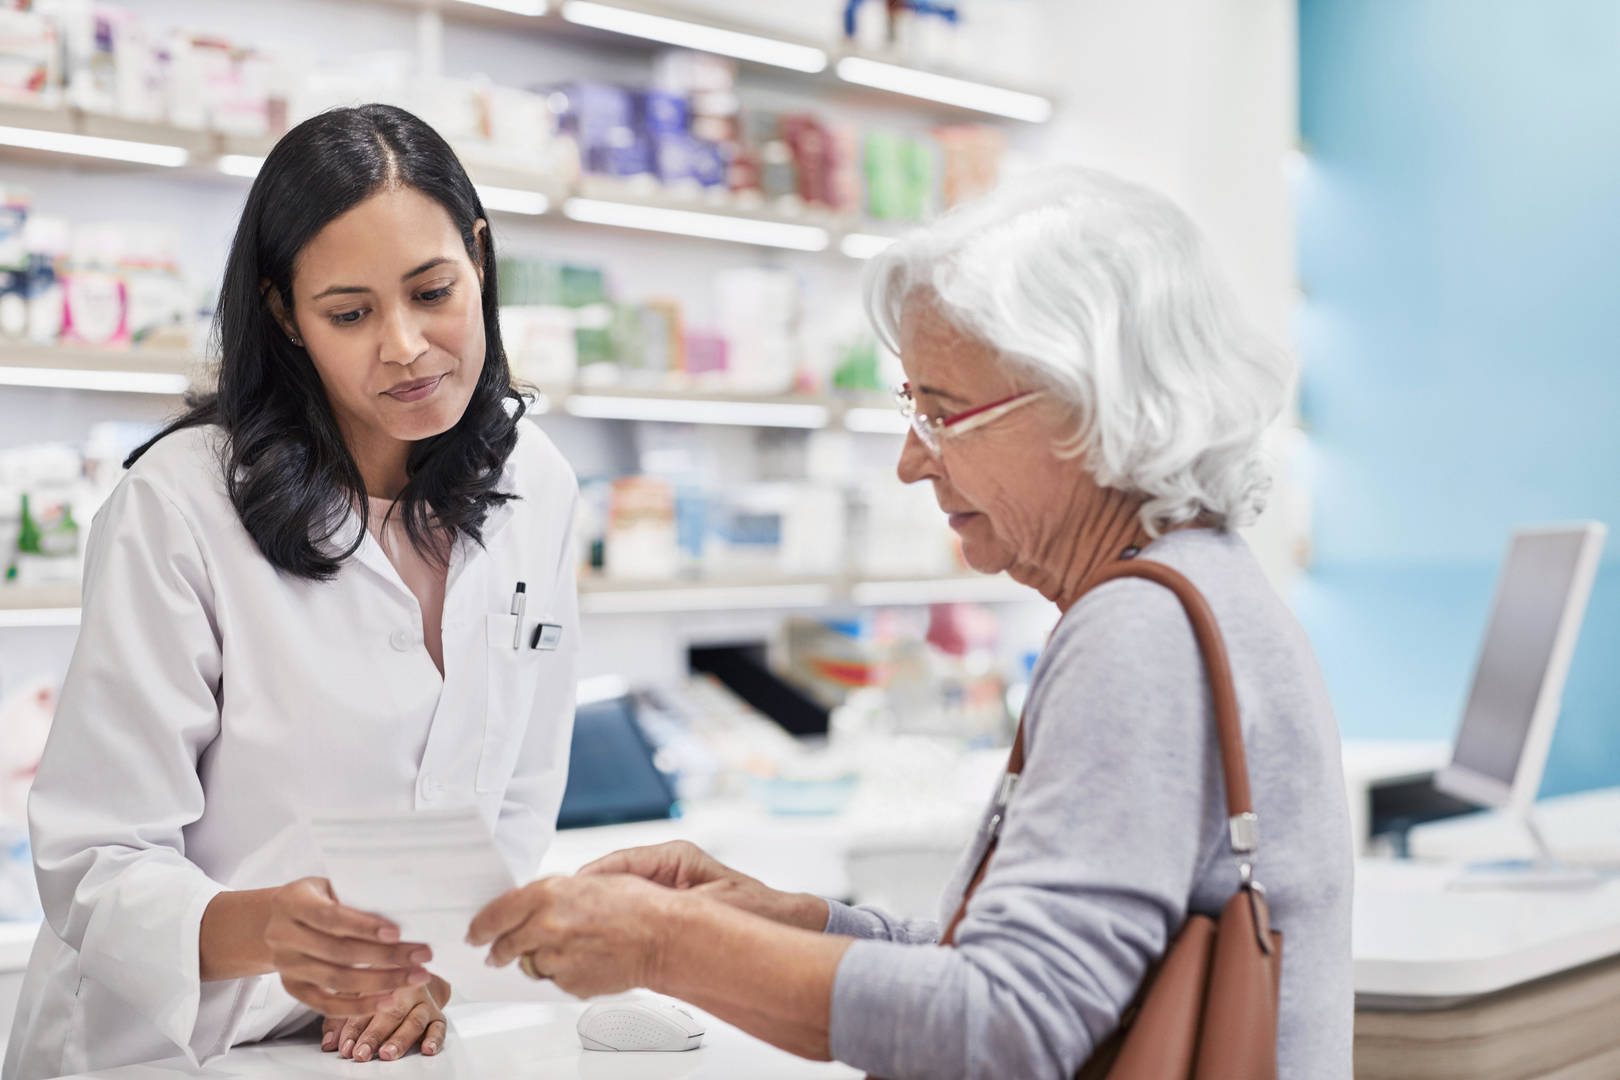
[
  {"x": 870, "y": 923},
  {"x": 1090, "y": 880}
]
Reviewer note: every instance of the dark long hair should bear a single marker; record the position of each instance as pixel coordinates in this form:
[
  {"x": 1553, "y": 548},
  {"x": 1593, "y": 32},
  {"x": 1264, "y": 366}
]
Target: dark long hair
[{"x": 287, "y": 469}]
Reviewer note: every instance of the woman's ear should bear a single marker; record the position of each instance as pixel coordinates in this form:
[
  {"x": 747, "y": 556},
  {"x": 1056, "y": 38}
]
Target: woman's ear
[
  {"x": 278, "y": 310},
  {"x": 481, "y": 239}
]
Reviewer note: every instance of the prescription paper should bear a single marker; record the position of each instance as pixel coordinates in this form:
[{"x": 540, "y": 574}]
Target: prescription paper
[{"x": 430, "y": 872}]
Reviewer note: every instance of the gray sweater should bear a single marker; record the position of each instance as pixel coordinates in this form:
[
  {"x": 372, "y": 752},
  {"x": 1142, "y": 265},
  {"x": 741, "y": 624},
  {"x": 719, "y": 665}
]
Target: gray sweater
[{"x": 1117, "y": 831}]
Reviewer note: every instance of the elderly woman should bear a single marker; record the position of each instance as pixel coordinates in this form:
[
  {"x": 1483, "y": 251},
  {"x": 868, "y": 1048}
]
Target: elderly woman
[{"x": 1079, "y": 384}]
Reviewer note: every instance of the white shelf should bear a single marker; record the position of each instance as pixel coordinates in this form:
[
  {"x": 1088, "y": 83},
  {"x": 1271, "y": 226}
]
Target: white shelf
[
  {"x": 598, "y": 202},
  {"x": 58, "y": 606},
  {"x": 170, "y": 372},
  {"x": 136, "y": 370},
  {"x": 605, "y": 596},
  {"x": 819, "y": 63}
]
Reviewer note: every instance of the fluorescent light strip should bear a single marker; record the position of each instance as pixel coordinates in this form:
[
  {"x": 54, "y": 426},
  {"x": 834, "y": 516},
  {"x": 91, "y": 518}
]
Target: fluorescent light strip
[
  {"x": 13, "y": 618},
  {"x": 943, "y": 88},
  {"x": 722, "y": 598},
  {"x": 697, "y": 411},
  {"x": 62, "y": 142},
  {"x": 692, "y": 223},
  {"x": 863, "y": 245},
  {"x": 512, "y": 200},
  {"x": 516, "y": 7},
  {"x": 243, "y": 165},
  {"x": 939, "y": 591},
  {"x": 130, "y": 382},
  {"x": 876, "y": 421},
  {"x": 690, "y": 35}
]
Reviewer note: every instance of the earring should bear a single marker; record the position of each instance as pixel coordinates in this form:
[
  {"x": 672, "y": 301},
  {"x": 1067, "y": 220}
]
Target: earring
[{"x": 296, "y": 342}]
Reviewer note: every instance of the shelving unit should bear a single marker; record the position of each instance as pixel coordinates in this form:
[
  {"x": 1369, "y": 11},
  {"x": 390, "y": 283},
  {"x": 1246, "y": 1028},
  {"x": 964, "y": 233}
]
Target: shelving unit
[{"x": 820, "y": 68}]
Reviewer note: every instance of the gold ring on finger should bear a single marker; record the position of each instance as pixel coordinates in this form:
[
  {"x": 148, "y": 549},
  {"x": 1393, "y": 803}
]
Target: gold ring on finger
[{"x": 526, "y": 963}]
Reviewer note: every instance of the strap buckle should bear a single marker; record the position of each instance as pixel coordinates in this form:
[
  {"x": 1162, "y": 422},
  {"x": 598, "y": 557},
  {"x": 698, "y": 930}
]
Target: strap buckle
[{"x": 1243, "y": 832}]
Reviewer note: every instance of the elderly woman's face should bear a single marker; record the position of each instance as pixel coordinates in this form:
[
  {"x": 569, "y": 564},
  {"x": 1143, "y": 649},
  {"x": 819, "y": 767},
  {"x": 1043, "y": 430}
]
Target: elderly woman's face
[{"x": 1007, "y": 494}]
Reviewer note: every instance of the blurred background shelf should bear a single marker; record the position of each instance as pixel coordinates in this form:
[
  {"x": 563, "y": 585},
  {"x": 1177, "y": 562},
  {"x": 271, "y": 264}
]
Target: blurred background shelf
[{"x": 816, "y": 63}]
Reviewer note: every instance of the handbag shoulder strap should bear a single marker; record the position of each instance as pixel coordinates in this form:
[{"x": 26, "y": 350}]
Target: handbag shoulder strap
[{"x": 1243, "y": 826}]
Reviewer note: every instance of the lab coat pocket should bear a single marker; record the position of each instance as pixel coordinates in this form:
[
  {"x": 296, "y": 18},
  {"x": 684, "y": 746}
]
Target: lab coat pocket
[{"x": 514, "y": 678}]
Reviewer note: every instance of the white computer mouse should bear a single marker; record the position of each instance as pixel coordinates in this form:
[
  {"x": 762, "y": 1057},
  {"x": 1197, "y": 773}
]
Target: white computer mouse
[{"x": 639, "y": 1023}]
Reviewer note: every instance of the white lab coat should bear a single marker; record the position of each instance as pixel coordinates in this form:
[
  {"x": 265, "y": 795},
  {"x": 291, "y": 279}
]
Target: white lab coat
[{"x": 212, "y": 702}]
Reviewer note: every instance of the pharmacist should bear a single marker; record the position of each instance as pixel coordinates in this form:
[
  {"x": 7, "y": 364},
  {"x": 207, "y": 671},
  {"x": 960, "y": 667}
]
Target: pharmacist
[{"x": 342, "y": 583}]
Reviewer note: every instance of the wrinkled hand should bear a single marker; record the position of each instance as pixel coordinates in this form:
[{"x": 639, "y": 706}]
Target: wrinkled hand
[
  {"x": 594, "y": 934},
  {"x": 334, "y": 959},
  {"x": 409, "y": 1017},
  {"x": 681, "y": 864}
]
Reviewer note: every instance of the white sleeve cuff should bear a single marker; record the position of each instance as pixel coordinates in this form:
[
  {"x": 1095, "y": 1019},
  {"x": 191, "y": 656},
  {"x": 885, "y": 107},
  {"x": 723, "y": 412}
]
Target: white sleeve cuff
[{"x": 143, "y": 944}]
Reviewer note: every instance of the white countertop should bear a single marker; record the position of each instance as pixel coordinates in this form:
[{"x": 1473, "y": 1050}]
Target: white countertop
[
  {"x": 510, "y": 1042},
  {"x": 1418, "y": 944}
]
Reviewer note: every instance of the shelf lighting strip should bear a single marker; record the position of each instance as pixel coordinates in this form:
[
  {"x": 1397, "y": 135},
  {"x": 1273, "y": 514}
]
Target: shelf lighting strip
[
  {"x": 697, "y": 411},
  {"x": 512, "y": 200},
  {"x": 695, "y": 223},
  {"x": 128, "y": 382},
  {"x": 516, "y": 7},
  {"x": 872, "y": 421},
  {"x": 63, "y": 142},
  {"x": 935, "y": 591},
  {"x": 719, "y": 598},
  {"x": 863, "y": 245},
  {"x": 911, "y": 82},
  {"x": 690, "y": 35},
  {"x": 243, "y": 165}
]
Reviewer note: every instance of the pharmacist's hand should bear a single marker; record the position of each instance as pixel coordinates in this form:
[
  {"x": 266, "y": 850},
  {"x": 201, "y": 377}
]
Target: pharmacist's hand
[
  {"x": 409, "y": 1017},
  {"x": 334, "y": 959},
  {"x": 681, "y": 864}
]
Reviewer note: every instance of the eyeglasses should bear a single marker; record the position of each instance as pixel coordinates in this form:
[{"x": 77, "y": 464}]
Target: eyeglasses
[{"x": 933, "y": 432}]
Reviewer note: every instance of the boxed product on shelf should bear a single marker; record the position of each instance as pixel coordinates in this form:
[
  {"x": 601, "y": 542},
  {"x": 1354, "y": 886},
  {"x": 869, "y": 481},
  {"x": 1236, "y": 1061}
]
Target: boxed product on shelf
[
  {"x": 759, "y": 314},
  {"x": 640, "y": 539},
  {"x": 899, "y": 532},
  {"x": 39, "y": 530},
  {"x": 101, "y": 285},
  {"x": 49, "y": 493},
  {"x": 30, "y": 59},
  {"x": 936, "y": 670}
]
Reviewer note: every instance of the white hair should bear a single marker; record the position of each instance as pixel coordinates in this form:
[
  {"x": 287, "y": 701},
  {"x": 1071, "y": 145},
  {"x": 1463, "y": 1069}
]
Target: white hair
[{"x": 1103, "y": 290}]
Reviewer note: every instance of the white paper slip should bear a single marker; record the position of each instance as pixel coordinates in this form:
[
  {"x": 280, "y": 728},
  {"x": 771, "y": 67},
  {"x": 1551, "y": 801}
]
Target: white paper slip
[{"x": 429, "y": 871}]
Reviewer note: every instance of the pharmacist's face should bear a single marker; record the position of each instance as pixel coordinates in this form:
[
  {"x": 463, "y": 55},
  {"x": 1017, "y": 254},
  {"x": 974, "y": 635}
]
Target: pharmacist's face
[
  {"x": 1008, "y": 496},
  {"x": 389, "y": 306}
]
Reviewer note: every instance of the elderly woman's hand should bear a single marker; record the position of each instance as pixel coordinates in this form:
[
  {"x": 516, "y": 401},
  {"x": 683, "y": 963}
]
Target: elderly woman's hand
[
  {"x": 595, "y": 934},
  {"x": 681, "y": 864}
]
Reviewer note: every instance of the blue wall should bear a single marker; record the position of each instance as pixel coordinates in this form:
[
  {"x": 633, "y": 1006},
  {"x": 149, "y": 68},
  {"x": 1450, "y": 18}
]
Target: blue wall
[{"x": 1459, "y": 238}]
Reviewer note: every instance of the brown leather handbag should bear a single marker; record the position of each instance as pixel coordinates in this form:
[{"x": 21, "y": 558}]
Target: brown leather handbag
[{"x": 1208, "y": 1009}]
